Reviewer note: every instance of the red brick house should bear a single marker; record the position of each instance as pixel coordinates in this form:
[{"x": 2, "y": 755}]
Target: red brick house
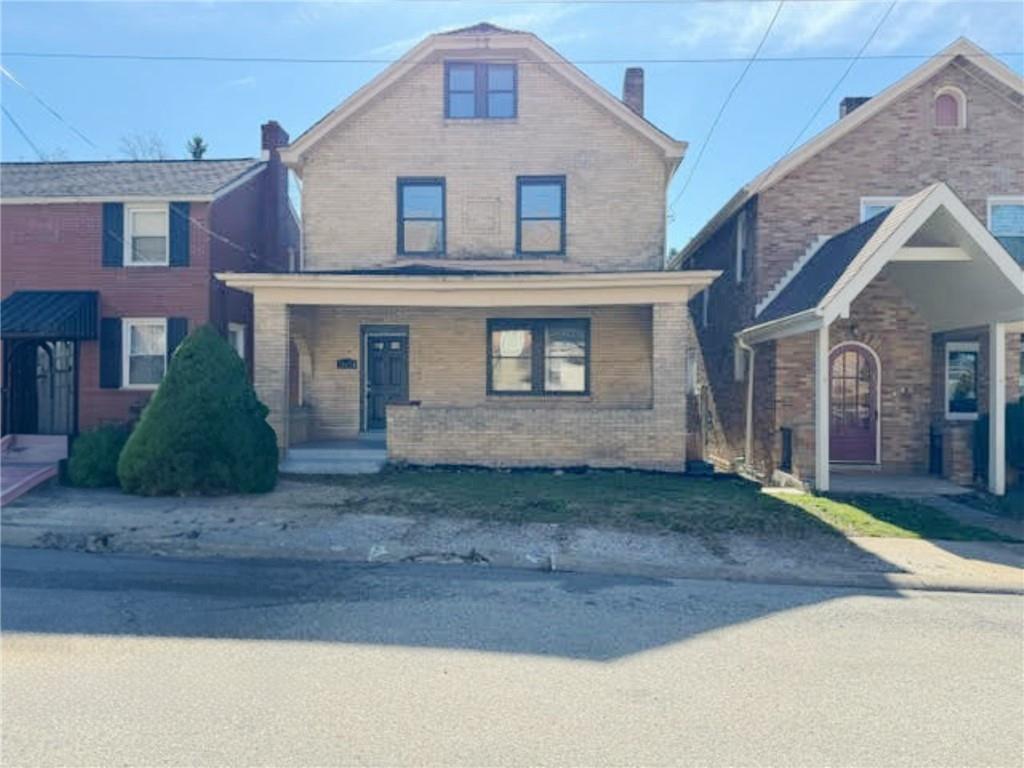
[
  {"x": 108, "y": 265},
  {"x": 873, "y": 292}
]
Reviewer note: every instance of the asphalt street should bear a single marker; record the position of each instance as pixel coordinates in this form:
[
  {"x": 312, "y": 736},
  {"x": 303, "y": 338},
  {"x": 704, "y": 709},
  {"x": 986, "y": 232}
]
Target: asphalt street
[{"x": 117, "y": 660}]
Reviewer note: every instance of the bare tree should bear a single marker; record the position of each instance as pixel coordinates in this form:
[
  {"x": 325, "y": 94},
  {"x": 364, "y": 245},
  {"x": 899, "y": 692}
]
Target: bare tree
[
  {"x": 143, "y": 146},
  {"x": 196, "y": 147},
  {"x": 55, "y": 155}
]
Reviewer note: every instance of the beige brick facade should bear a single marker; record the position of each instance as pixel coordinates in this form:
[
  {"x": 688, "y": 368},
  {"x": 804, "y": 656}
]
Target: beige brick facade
[{"x": 615, "y": 177}]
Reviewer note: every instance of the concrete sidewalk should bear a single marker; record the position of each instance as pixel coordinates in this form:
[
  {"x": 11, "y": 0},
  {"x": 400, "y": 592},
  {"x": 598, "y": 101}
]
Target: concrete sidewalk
[{"x": 299, "y": 520}]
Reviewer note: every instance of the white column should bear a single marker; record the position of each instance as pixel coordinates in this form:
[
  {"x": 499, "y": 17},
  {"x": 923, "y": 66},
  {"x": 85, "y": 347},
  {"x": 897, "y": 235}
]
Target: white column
[
  {"x": 997, "y": 408},
  {"x": 821, "y": 409}
]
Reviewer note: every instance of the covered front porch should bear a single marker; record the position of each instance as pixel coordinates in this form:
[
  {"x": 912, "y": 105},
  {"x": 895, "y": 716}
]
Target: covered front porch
[
  {"x": 496, "y": 370},
  {"x": 881, "y": 354}
]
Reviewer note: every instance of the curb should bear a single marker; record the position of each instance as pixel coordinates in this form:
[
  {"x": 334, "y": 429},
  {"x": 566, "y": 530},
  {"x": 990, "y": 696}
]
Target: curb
[{"x": 28, "y": 538}]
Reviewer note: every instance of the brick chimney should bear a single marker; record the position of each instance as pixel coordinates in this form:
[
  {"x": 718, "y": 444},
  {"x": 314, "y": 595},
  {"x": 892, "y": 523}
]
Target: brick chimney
[
  {"x": 850, "y": 103},
  {"x": 278, "y": 228},
  {"x": 633, "y": 90}
]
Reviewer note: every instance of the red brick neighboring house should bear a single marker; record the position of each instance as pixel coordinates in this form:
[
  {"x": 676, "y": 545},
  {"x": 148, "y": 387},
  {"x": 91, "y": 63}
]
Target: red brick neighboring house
[
  {"x": 872, "y": 289},
  {"x": 108, "y": 265}
]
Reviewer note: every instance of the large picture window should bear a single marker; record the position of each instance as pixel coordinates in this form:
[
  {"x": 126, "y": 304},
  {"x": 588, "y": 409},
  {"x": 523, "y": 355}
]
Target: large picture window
[
  {"x": 480, "y": 90},
  {"x": 540, "y": 207},
  {"x": 962, "y": 380},
  {"x": 144, "y": 348},
  {"x": 538, "y": 357},
  {"x": 421, "y": 214}
]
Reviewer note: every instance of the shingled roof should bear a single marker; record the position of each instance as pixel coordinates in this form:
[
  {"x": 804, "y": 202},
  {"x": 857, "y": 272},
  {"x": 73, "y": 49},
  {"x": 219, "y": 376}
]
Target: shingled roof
[{"x": 118, "y": 179}]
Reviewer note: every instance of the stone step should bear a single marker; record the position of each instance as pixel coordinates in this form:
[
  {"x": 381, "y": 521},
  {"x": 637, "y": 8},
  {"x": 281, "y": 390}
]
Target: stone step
[
  {"x": 331, "y": 466},
  {"x": 338, "y": 454}
]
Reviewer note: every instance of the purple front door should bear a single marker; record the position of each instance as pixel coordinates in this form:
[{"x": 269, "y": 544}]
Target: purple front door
[{"x": 853, "y": 412}]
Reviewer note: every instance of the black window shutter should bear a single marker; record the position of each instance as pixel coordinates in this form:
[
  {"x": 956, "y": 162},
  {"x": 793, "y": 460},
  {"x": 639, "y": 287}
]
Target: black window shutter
[
  {"x": 110, "y": 353},
  {"x": 179, "y": 226},
  {"x": 177, "y": 330},
  {"x": 113, "y": 235}
]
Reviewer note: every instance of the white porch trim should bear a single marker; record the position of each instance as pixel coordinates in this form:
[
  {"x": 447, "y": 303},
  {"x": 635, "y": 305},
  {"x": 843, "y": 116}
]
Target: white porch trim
[
  {"x": 997, "y": 408},
  {"x": 821, "y": 409}
]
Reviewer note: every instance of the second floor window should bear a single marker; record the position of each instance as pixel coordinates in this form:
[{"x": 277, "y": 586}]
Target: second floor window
[
  {"x": 540, "y": 215},
  {"x": 421, "y": 211},
  {"x": 1006, "y": 222},
  {"x": 872, "y": 206},
  {"x": 481, "y": 90},
  {"x": 146, "y": 236}
]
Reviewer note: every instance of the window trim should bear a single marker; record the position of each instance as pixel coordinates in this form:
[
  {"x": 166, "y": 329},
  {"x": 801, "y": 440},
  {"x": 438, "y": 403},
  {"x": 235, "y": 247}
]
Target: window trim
[
  {"x": 126, "y": 350},
  {"x": 997, "y": 200},
  {"x": 522, "y": 181},
  {"x": 705, "y": 300},
  {"x": 537, "y": 326},
  {"x": 420, "y": 181},
  {"x": 129, "y": 212},
  {"x": 240, "y": 329},
  {"x": 480, "y": 89},
  {"x": 961, "y": 108},
  {"x": 889, "y": 201},
  {"x": 961, "y": 346}
]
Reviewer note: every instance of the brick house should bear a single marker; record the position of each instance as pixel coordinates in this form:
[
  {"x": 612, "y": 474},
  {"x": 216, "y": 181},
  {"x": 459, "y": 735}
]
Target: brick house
[
  {"x": 872, "y": 289},
  {"x": 482, "y": 273},
  {"x": 108, "y": 265}
]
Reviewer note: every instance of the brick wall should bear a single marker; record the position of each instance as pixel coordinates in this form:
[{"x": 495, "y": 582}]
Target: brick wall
[
  {"x": 898, "y": 153},
  {"x": 600, "y": 433},
  {"x": 59, "y": 247},
  {"x": 448, "y": 360},
  {"x": 615, "y": 186}
]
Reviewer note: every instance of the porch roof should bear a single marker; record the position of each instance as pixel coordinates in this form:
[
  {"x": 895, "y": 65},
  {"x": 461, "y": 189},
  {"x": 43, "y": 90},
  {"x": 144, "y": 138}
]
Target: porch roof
[
  {"x": 476, "y": 289},
  {"x": 50, "y": 315},
  {"x": 942, "y": 258}
]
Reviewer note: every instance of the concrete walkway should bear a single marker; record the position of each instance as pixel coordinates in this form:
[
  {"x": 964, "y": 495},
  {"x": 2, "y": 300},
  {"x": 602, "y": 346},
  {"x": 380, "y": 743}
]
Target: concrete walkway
[
  {"x": 303, "y": 520},
  {"x": 900, "y": 486}
]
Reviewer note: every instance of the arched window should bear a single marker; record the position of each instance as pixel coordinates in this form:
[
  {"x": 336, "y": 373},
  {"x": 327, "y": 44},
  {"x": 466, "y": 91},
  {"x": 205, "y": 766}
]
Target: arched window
[{"x": 950, "y": 108}]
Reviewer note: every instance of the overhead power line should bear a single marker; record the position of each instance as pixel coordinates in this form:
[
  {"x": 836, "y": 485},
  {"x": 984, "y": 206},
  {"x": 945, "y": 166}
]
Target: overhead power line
[
  {"x": 721, "y": 110},
  {"x": 21, "y": 130},
  {"x": 199, "y": 58},
  {"x": 10, "y": 76}
]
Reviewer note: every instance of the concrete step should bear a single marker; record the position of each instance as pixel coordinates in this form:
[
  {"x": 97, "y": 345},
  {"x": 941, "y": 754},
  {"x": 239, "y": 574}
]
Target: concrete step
[
  {"x": 338, "y": 454},
  {"x": 330, "y": 466}
]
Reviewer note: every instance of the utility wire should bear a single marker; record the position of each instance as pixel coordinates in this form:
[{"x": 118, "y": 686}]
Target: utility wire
[
  {"x": 369, "y": 60},
  {"x": 721, "y": 110},
  {"x": 832, "y": 91},
  {"x": 20, "y": 130},
  {"x": 10, "y": 76}
]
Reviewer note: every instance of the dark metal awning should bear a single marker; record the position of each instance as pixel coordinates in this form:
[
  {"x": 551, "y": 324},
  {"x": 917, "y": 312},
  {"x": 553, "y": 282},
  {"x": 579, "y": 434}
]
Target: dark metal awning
[{"x": 50, "y": 315}]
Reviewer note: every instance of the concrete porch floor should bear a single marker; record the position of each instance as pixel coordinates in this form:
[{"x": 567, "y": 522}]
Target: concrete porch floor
[
  {"x": 907, "y": 486},
  {"x": 366, "y": 454}
]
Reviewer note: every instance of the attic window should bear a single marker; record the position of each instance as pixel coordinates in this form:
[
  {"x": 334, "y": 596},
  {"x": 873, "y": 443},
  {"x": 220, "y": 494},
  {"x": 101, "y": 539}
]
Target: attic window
[
  {"x": 480, "y": 90},
  {"x": 950, "y": 108}
]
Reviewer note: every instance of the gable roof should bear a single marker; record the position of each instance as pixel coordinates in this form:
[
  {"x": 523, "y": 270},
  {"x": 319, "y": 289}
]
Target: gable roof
[
  {"x": 961, "y": 47},
  {"x": 121, "y": 179},
  {"x": 829, "y": 281},
  {"x": 499, "y": 40}
]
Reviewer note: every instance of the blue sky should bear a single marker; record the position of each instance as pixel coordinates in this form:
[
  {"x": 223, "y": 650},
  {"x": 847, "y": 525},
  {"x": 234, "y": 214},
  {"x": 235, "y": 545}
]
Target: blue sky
[{"x": 226, "y": 102}]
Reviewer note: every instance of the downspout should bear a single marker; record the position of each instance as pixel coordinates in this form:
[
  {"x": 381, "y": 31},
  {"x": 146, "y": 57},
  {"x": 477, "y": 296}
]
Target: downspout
[{"x": 748, "y": 442}]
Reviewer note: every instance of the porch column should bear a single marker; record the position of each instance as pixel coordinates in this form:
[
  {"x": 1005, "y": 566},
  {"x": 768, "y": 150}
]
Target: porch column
[
  {"x": 670, "y": 325},
  {"x": 821, "y": 409},
  {"x": 997, "y": 408},
  {"x": 270, "y": 370}
]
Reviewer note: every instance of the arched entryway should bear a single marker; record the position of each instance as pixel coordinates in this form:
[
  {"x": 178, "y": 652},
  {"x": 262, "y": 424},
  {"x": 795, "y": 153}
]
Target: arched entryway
[{"x": 854, "y": 404}]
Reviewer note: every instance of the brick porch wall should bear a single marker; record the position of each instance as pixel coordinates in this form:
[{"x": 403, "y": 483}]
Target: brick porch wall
[{"x": 644, "y": 437}]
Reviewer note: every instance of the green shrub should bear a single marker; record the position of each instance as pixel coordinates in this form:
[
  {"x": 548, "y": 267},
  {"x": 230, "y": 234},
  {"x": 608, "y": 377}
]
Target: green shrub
[
  {"x": 204, "y": 431},
  {"x": 94, "y": 455}
]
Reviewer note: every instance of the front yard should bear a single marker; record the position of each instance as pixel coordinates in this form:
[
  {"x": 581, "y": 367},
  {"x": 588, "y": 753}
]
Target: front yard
[{"x": 704, "y": 507}]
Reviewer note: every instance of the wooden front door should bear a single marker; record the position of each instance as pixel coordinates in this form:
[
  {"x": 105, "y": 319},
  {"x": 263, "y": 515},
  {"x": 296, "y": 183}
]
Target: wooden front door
[
  {"x": 387, "y": 376},
  {"x": 853, "y": 409}
]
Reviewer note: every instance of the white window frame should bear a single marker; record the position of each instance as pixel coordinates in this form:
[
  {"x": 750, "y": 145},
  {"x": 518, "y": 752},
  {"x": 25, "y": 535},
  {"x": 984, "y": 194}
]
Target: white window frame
[
  {"x": 996, "y": 200},
  {"x": 961, "y": 346},
  {"x": 129, "y": 211},
  {"x": 741, "y": 242},
  {"x": 239, "y": 345},
  {"x": 887, "y": 201},
  {"x": 126, "y": 337},
  {"x": 961, "y": 108}
]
